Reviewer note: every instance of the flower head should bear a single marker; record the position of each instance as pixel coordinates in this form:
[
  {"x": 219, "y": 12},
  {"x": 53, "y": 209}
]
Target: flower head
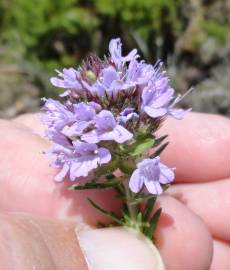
[
  {"x": 151, "y": 173},
  {"x": 108, "y": 100}
]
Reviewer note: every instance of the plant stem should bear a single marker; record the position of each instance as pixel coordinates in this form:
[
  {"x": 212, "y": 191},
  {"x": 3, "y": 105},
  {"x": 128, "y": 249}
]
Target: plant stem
[{"x": 132, "y": 208}]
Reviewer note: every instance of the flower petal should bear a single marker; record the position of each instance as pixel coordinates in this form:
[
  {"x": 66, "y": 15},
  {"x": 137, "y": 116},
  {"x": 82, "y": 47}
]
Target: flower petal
[
  {"x": 61, "y": 175},
  {"x": 135, "y": 182},
  {"x": 104, "y": 155},
  {"x": 167, "y": 175},
  {"x": 163, "y": 99},
  {"x": 121, "y": 134},
  {"x": 153, "y": 187},
  {"x": 179, "y": 113},
  {"x": 155, "y": 112}
]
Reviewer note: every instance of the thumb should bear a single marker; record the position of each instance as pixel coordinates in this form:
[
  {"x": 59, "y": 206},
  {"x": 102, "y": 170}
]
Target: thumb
[
  {"x": 29, "y": 242},
  {"x": 118, "y": 248}
]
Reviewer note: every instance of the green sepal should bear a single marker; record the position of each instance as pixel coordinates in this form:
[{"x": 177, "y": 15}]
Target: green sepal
[
  {"x": 127, "y": 166},
  {"x": 107, "y": 169}
]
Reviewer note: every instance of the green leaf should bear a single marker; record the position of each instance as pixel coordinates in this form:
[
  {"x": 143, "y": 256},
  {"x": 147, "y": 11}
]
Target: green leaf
[
  {"x": 159, "y": 150},
  {"x": 153, "y": 223},
  {"x": 141, "y": 147},
  {"x": 109, "y": 214},
  {"x": 160, "y": 140},
  {"x": 149, "y": 208},
  {"x": 94, "y": 185}
]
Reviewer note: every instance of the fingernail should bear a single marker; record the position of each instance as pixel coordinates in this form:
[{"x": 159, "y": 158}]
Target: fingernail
[{"x": 118, "y": 248}]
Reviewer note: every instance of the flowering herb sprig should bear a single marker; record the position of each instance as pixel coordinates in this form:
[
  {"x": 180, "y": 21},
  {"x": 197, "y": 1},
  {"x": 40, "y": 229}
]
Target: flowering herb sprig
[{"x": 104, "y": 128}]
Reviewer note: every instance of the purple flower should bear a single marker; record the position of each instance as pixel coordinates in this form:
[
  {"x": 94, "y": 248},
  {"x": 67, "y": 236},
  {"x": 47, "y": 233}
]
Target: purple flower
[
  {"x": 84, "y": 117},
  {"x": 70, "y": 120},
  {"x": 158, "y": 98},
  {"x": 115, "y": 53},
  {"x": 79, "y": 159},
  {"x": 57, "y": 115},
  {"x": 106, "y": 129},
  {"x": 151, "y": 173},
  {"x": 109, "y": 83},
  {"x": 139, "y": 72},
  {"x": 69, "y": 80},
  {"x": 126, "y": 115}
]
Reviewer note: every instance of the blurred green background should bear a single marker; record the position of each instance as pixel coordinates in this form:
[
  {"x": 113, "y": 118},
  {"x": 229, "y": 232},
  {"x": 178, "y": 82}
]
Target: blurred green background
[{"x": 37, "y": 36}]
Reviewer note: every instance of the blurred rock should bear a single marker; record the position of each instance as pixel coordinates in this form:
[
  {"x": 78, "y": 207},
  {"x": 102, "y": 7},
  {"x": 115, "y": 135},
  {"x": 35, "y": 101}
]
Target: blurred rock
[
  {"x": 17, "y": 94},
  {"x": 212, "y": 94}
]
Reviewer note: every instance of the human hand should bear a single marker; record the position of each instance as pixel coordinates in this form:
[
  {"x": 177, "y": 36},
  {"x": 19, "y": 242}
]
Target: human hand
[{"x": 199, "y": 149}]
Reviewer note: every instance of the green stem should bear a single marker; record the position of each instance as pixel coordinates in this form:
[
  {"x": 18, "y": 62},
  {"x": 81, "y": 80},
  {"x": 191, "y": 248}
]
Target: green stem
[{"x": 132, "y": 208}]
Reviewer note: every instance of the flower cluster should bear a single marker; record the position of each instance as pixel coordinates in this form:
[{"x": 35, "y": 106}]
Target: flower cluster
[{"x": 111, "y": 110}]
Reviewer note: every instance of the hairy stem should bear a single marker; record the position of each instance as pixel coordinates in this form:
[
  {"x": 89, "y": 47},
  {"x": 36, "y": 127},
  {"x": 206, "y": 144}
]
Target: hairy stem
[{"x": 132, "y": 208}]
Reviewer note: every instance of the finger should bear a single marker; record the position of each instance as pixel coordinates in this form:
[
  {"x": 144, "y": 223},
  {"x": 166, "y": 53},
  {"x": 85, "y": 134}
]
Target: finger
[
  {"x": 31, "y": 121},
  {"x": 211, "y": 201},
  {"x": 119, "y": 248},
  {"x": 32, "y": 243},
  {"x": 199, "y": 147},
  {"x": 221, "y": 257},
  {"x": 29, "y": 242},
  {"x": 182, "y": 238}
]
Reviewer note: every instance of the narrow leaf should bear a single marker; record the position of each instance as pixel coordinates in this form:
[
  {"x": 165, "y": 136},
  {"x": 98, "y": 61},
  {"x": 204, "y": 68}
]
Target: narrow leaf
[
  {"x": 160, "y": 140},
  {"x": 109, "y": 214},
  {"x": 159, "y": 150},
  {"x": 93, "y": 185},
  {"x": 141, "y": 147},
  {"x": 149, "y": 207},
  {"x": 153, "y": 223}
]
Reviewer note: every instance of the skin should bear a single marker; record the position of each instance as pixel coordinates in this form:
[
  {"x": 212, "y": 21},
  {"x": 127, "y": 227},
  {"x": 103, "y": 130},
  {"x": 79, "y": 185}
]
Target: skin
[{"x": 45, "y": 226}]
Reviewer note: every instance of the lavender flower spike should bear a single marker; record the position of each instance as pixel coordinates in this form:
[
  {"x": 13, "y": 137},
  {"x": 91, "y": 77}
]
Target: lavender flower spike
[
  {"x": 151, "y": 173},
  {"x": 107, "y": 129}
]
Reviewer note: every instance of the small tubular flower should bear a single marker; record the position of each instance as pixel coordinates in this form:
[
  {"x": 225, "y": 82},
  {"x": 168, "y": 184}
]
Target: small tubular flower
[
  {"x": 67, "y": 80},
  {"x": 106, "y": 129},
  {"x": 84, "y": 117},
  {"x": 115, "y": 46},
  {"x": 126, "y": 115},
  {"x": 56, "y": 114},
  {"x": 151, "y": 173},
  {"x": 79, "y": 159}
]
